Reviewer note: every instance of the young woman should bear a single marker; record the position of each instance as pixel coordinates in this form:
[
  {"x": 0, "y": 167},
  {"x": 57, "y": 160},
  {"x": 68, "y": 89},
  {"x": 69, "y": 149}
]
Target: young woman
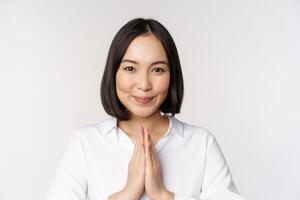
[{"x": 142, "y": 151}]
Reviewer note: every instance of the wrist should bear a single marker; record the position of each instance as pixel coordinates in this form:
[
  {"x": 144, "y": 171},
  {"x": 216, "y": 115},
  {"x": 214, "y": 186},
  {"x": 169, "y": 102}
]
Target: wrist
[
  {"x": 121, "y": 195},
  {"x": 127, "y": 195},
  {"x": 165, "y": 195}
]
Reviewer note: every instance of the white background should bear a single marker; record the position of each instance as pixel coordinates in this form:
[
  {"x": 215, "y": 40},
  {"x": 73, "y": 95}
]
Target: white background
[{"x": 240, "y": 61}]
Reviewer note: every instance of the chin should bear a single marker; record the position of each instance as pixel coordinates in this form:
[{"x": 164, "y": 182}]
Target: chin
[{"x": 142, "y": 113}]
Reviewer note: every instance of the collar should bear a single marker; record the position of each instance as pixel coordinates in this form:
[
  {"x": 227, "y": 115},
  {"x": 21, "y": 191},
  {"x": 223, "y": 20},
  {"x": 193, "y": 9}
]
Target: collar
[{"x": 107, "y": 125}]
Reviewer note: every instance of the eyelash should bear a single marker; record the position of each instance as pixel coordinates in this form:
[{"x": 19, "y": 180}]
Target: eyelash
[{"x": 161, "y": 69}]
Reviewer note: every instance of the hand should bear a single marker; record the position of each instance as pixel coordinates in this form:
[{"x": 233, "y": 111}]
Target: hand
[
  {"x": 135, "y": 183},
  {"x": 144, "y": 172},
  {"x": 153, "y": 179}
]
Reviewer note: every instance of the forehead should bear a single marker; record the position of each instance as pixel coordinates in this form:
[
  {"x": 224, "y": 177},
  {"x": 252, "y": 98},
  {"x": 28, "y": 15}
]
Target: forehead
[{"x": 145, "y": 48}]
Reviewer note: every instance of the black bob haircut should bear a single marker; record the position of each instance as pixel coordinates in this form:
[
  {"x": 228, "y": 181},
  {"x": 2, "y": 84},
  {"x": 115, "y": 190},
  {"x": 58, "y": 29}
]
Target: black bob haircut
[{"x": 119, "y": 45}]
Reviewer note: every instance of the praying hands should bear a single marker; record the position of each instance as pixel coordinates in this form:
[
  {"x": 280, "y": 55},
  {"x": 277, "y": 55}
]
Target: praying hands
[{"x": 144, "y": 172}]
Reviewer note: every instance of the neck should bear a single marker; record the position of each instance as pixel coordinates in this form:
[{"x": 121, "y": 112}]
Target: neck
[{"x": 156, "y": 123}]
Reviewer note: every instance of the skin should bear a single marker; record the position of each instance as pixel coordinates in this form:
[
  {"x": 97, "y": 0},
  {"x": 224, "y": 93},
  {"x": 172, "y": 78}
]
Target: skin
[{"x": 140, "y": 75}]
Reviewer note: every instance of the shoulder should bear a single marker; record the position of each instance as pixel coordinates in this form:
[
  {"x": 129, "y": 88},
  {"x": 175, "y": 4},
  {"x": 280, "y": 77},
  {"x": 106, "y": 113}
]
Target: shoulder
[
  {"x": 190, "y": 130},
  {"x": 96, "y": 128}
]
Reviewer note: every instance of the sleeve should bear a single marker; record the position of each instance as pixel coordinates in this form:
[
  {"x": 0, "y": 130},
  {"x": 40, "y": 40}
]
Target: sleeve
[
  {"x": 217, "y": 182},
  {"x": 70, "y": 179}
]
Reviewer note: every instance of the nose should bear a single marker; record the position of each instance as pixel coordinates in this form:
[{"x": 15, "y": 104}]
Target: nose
[{"x": 144, "y": 83}]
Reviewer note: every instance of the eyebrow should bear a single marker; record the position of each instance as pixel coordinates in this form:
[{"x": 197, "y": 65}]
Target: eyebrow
[{"x": 154, "y": 63}]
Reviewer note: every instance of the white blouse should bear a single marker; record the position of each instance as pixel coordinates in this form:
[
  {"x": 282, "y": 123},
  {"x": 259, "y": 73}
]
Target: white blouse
[{"x": 95, "y": 164}]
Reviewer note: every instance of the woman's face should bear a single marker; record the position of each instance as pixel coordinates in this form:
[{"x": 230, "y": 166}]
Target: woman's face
[{"x": 143, "y": 77}]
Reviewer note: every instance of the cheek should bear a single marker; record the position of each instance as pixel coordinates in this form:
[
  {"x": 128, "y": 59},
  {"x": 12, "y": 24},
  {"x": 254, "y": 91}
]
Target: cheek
[
  {"x": 123, "y": 83},
  {"x": 162, "y": 85}
]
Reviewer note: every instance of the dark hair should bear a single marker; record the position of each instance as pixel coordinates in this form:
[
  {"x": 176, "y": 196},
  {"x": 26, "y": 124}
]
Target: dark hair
[{"x": 119, "y": 45}]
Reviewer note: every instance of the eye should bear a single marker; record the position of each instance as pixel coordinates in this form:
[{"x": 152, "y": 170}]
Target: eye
[
  {"x": 158, "y": 69},
  {"x": 129, "y": 68}
]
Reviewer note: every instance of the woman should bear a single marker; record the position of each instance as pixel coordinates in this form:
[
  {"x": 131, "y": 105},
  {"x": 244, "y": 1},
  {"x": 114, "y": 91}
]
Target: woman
[{"x": 142, "y": 151}]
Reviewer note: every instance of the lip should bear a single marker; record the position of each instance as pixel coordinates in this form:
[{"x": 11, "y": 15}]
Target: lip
[{"x": 143, "y": 100}]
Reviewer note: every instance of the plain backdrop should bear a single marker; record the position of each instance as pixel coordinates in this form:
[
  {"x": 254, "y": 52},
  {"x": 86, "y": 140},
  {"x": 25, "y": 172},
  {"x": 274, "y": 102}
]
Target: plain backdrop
[{"x": 240, "y": 61}]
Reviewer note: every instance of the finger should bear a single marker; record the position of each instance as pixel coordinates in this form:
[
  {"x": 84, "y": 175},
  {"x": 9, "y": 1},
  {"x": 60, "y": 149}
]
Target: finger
[
  {"x": 136, "y": 147},
  {"x": 155, "y": 158},
  {"x": 141, "y": 144},
  {"x": 141, "y": 135},
  {"x": 152, "y": 146},
  {"x": 147, "y": 147},
  {"x": 151, "y": 151},
  {"x": 140, "y": 156}
]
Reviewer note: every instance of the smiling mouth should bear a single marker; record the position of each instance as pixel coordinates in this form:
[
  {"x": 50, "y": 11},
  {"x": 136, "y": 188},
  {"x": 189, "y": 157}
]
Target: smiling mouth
[{"x": 143, "y": 100}]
